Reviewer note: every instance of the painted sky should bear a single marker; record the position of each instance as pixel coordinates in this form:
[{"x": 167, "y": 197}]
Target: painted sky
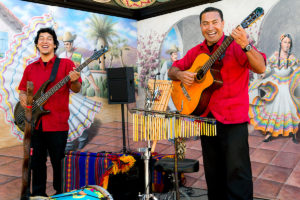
[
  {"x": 170, "y": 39},
  {"x": 71, "y": 20}
]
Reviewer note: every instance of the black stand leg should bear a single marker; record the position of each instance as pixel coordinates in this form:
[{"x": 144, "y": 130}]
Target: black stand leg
[{"x": 123, "y": 129}]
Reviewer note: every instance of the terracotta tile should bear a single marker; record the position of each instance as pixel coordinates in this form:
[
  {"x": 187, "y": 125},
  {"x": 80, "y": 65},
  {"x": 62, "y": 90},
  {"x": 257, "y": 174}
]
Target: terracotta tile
[
  {"x": 263, "y": 155},
  {"x": 12, "y": 168},
  {"x": 89, "y": 146},
  {"x": 275, "y": 173},
  {"x": 5, "y": 159},
  {"x": 114, "y": 132},
  {"x": 266, "y": 189},
  {"x": 257, "y": 168},
  {"x": 189, "y": 181},
  {"x": 161, "y": 147},
  {"x": 103, "y": 139},
  {"x": 169, "y": 150},
  {"x": 292, "y": 147},
  {"x": 200, "y": 160},
  {"x": 294, "y": 179},
  {"x": 194, "y": 144},
  {"x": 11, "y": 190},
  {"x": 200, "y": 184},
  {"x": 251, "y": 150},
  {"x": 257, "y": 133},
  {"x": 112, "y": 125},
  {"x": 106, "y": 148},
  {"x": 193, "y": 154},
  {"x": 116, "y": 142},
  {"x": 15, "y": 151},
  {"x": 285, "y": 159},
  {"x": 254, "y": 141},
  {"x": 275, "y": 145},
  {"x": 297, "y": 167},
  {"x": 4, "y": 179},
  {"x": 289, "y": 192}
]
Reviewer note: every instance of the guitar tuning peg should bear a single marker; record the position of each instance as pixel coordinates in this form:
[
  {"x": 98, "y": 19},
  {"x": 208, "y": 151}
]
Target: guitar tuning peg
[
  {"x": 99, "y": 61},
  {"x": 95, "y": 50},
  {"x": 104, "y": 57}
]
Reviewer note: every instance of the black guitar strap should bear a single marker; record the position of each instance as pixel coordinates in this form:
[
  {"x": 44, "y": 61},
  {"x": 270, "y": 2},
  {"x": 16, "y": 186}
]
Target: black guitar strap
[{"x": 54, "y": 69}]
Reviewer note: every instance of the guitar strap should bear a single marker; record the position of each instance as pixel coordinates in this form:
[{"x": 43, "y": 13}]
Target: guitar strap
[{"x": 54, "y": 69}]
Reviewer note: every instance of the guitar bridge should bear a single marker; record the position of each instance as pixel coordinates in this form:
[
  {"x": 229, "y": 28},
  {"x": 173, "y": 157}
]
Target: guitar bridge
[{"x": 186, "y": 94}]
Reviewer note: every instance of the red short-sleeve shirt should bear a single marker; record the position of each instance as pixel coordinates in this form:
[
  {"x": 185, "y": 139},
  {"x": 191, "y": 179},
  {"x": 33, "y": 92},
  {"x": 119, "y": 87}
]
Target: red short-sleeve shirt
[
  {"x": 58, "y": 103},
  {"x": 230, "y": 103}
]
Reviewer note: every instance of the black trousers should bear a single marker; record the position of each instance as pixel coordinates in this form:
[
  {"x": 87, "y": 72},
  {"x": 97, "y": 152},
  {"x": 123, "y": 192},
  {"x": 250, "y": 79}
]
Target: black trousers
[
  {"x": 43, "y": 143},
  {"x": 227, "y": 163}
]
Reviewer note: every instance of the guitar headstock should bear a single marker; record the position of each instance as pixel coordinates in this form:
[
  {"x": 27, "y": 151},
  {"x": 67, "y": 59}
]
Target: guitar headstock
[
  {"x": 97, "y": 53},
  {"x": 250, "y": 19}
]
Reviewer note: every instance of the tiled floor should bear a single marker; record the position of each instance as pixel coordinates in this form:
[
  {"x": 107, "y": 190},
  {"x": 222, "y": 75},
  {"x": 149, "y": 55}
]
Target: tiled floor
[{"x": 275, "y": 165}]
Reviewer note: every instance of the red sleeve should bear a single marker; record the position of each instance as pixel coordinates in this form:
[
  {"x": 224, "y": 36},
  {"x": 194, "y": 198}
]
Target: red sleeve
[
  {"x": 187, "y": 61},
  {"x": 242, "y": 58},
  {"x": 23, "y": 83}
]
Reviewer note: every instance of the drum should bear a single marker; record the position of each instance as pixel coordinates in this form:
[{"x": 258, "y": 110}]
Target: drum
[{"x": 90, "y": 192}]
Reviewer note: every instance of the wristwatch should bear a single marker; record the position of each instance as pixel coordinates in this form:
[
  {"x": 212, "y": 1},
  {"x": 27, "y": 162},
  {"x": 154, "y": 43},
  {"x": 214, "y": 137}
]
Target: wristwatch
[{"x": 247, "y": 48}]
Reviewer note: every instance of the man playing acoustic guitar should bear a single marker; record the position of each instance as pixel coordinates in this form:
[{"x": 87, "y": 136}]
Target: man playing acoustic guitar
[
  {"x": 51, "y": 130},
  {"x": 226, "y": 156}
]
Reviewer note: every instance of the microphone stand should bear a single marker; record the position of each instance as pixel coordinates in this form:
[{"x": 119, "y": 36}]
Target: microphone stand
[{"x": 147, "y": 151}]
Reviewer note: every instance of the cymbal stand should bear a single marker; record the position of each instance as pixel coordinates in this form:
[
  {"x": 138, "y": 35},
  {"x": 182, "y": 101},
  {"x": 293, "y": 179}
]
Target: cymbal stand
[{"x": 149, "y": 101}]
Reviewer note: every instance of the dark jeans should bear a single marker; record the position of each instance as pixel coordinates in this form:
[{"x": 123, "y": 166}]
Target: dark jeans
[
  {"x": 54, "y": 143},
  {"x": 227, "y": 163}
]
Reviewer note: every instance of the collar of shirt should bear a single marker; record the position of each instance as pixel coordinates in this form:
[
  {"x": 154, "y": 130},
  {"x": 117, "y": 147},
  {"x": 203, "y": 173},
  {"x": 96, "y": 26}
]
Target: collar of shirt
[
  {"x": 203, "y": 45},
  {"x": 50, "y": 62}
]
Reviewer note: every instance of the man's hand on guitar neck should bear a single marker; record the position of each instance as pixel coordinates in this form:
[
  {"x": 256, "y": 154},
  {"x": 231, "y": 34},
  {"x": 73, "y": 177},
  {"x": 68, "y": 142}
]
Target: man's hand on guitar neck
[
  {"x": 23, "y": 99},
  {"x": 240, "y": 36},
  {"x": 186, "y": 77}
]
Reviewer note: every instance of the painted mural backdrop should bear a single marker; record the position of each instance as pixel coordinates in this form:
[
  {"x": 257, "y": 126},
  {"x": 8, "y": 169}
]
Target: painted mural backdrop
[
  {"x": 86, "y": 32},
  {"x": 149, "y": 52}
]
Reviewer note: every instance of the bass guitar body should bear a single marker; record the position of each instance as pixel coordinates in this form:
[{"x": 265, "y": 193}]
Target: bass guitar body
[
  {"x": 194, "y": 99},
  {"x": 37, "y": 111}
]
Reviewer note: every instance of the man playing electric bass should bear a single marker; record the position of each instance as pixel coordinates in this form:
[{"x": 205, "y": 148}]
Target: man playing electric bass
[
  {"x": 226, "y": 156},
  {"x": 51, "y": 130}
]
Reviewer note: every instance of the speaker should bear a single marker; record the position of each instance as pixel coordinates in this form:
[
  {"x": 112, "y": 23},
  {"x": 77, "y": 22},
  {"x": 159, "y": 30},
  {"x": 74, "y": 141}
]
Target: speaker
[{"x": 120, "y": 83}]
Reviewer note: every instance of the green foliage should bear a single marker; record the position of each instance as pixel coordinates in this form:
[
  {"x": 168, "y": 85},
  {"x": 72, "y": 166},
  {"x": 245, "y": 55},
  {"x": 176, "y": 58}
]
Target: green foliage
[{"x": 90, "y": 92}]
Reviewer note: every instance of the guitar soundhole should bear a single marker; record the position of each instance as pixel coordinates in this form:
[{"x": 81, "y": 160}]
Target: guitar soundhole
[{"x": 200, "y": 75}]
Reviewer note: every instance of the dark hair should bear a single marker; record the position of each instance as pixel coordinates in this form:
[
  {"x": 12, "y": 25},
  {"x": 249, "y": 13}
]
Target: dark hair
[
  {"x": 211, "y": 9},
  {"x": 290, "y": 50},
  {"x": 51, "y": 32}
]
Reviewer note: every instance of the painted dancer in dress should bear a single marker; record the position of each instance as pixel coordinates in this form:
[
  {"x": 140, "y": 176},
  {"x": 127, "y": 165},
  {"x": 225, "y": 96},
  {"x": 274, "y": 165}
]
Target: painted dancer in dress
[
  {"x": 71, "y": 53},
  {"x": 272, "y": 109}
]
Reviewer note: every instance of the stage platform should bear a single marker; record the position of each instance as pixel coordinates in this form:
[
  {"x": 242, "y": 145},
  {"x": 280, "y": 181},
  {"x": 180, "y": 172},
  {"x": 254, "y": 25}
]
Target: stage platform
[{"x": 275, "y": 165}]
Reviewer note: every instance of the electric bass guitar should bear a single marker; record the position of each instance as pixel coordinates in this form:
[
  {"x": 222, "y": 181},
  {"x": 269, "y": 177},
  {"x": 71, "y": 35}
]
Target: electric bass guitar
[
  {"x": 41, "y": 97},
  {"x": 194, "y": 99}
]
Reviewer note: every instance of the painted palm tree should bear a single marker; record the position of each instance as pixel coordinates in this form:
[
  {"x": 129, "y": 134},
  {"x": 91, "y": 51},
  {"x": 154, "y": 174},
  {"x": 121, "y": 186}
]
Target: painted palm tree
[
  {"x": 123, "y": 47},
  {"x": 102, "y": 31},
  {"x": 116, "y": 50},
  {"x": 113, "y": 53}
]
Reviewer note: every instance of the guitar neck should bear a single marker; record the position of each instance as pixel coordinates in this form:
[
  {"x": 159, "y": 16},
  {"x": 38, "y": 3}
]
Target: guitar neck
[
  {"x": 217, "y": 54},
  {"x": 61, "y": 83}
]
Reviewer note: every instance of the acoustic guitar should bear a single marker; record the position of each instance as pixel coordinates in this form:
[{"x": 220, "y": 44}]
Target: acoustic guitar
[
  {"x": 194, "y": 99},
  {"x": 40, "y": 98}
]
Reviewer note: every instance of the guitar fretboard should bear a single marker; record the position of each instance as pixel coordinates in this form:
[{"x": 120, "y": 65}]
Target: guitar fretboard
[
  {"x": 61, "y": 83},
  {"x": 216, "y": 55}
]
